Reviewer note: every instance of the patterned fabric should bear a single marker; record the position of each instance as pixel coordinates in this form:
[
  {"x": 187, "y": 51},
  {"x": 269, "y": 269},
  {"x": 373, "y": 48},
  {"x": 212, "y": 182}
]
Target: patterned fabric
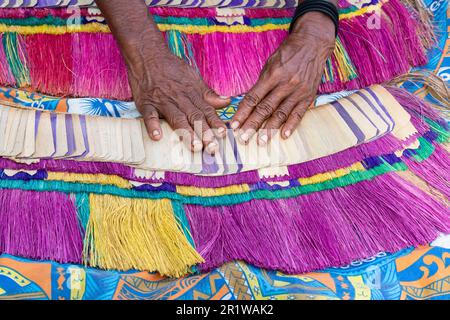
[
  {"x": 422, "y": 273},
  {"x": 108, "y": 107}
]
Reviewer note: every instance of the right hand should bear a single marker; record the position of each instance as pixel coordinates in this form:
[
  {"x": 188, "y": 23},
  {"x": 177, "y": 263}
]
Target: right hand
[{"x": 165, "y": 86}]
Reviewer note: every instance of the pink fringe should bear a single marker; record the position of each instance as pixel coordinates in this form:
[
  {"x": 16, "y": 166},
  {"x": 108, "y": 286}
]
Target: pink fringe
[
  {"x": 50, "y": 65},
  {"x": 405, "y": 32},
  {"x": 229, "y": 63},
  {"x": 99, "y": 69},
  {"x": 231, "y": 69},
  {"x": 433, "y": 170}
]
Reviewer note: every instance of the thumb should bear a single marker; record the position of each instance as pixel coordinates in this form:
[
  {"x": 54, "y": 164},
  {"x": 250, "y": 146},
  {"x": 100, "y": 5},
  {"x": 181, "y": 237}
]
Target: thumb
[{"x": 214, "y": 100}]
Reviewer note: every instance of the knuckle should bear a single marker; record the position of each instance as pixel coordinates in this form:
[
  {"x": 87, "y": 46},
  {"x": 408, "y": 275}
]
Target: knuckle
[
  {"x": 252, "y": 124},
  {"x": 275, "y": 72},
  {"x": 264, "y": 109},
  {"x": 179, "y": 120},
  {"x": 195, "y": 116},
  {"x": 304, "y": 88},
  {"x": 207, "y": 93},
  {"x": 150, "y": 117},
  {"x": 294, "y": 82},
  {"x": 297, "y": 116},
  {"x": 251, "y": 99},
  {"x": 280, "y": 115},
  {"x": 209, "y": 112}
]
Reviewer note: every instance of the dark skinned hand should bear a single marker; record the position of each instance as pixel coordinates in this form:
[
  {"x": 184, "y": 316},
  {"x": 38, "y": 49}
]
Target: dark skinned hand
[
  {"x": 289, "y": 81},
  {"x": 162, "y": 84},
  {"x": 165, "y": 86}
]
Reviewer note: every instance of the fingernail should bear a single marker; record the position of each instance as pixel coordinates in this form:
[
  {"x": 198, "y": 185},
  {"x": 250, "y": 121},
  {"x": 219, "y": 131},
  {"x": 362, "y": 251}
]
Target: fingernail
[
  {"x": 235, "y": 125},
  {"x": 287, "y": 133},
  {"x": 223, "y": 97},
  {"x": 263, "y": 139},
  {"x": 197, "y": 145},
  {"x": 221, "y": 130},
  {"x": 155, "y": 133}
]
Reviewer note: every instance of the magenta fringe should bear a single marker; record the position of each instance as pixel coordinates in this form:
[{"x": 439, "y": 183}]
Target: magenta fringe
[
  {"x": 103, "y": 73},
  {"x": 51, "y": 66},
  {"x": 434, "y": 170},
  {"x": 321, "y": 229},
  {"x": 39, "y": 225},
  {"x": 414, "y": 104},
  {"x": 229, "y": 63}
]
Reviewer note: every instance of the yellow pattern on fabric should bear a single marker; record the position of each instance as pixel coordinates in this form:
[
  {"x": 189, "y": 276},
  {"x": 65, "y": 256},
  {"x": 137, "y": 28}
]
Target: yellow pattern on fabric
[
  {"x": 15, "y": 276},
  {"x": 362, "y": 290},
  {"x": 77, "y": 283}
]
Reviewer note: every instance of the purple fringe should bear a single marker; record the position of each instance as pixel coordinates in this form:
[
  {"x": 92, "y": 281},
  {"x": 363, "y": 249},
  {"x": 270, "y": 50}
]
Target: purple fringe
[
  {"x": 414, "y": 104},
  {"x": 434, "y": 170},
  {"x": 321, "y": 229},
  {"x": 229, "y": 63},
  {"x": 382, "y": 146}
]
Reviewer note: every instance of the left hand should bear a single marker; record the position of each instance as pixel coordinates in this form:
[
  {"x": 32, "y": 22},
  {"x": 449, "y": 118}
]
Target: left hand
[{"x": 289, "y": 81}]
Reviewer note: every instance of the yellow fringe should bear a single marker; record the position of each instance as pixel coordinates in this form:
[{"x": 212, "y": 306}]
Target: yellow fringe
[
  {"x": 94, "y": 27},
  {"x": 90, "y": 178},
  {"x": 322, "y": 177},
  {"x": 141, "y": 234},
  {"x": 190, "y": 29},
  {"x": 102, "y": 28},
  {"x": 344, "y": 69},
  {"x": 211, "y": 192},
  {"x": 363, "y": 10}
]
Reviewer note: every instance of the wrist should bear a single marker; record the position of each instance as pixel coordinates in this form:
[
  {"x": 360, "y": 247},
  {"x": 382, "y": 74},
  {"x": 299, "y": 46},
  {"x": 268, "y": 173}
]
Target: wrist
[{"x": 316, "y": 24}]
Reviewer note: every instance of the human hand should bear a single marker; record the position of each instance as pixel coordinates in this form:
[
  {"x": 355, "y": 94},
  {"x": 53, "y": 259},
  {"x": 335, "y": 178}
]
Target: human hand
[
  {"x": 162, "y": 84},
  {"x": 288, "y": 82}
]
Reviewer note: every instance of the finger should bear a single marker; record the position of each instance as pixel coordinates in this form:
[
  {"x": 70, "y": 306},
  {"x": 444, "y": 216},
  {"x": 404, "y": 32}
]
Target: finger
[
  {"x": 179, "y": 122},
  {"x": 293, "y": 120},
  {"x": 214, "y": 100},
  {"x": 197, "y": 120},
  {"x": 278, "y": 118},
  {"x": 251, "y": 99},
  {"x": 218, "y": 126},
  {"x": 151, "y": 121},
  {"x": 262, "y": 112}
]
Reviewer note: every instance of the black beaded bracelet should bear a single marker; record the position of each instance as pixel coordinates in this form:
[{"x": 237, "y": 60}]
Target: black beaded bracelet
[{"x": 323, "y": 6}]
